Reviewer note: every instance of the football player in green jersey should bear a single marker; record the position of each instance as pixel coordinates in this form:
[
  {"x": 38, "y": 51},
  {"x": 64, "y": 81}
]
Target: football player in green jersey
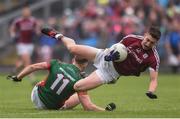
[{"x": 56, "y": 91}]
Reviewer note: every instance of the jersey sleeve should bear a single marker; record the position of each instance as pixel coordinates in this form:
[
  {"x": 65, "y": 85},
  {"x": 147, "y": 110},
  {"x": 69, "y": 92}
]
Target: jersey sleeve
[
  {"x": 51, "y": 63},
  {"x": 48, "y": 65},
  {"x": 34, "y": 21},
  {"x": 154, "y": 66},
  {"x": 125, "y": 41},
  {"x": 155, "y": 63},
  {"x": 15, "y": 23}
]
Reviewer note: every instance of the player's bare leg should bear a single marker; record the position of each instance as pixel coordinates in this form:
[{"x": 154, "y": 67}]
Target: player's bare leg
[
  {"x": 86, "y": 52},
  {"x": 90, "y": 82}
]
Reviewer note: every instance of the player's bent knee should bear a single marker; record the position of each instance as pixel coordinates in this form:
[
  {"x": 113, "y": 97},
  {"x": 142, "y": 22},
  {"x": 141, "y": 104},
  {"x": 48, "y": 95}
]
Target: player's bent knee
[
  {"x": 77, "y": 87},
  {"x": 72, "y": 49}
]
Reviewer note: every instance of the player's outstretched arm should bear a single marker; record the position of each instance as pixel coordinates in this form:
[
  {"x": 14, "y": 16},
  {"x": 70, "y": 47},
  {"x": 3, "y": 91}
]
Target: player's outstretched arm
[
  {"x": 27, "y": 70},
  {"x": 89, "y": 106},
  {"x": 153, "y": 85},
  {"x": 72, "y": 102}
]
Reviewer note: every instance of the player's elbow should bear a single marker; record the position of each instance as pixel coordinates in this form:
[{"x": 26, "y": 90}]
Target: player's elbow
[{"x": 31, "y": 67}]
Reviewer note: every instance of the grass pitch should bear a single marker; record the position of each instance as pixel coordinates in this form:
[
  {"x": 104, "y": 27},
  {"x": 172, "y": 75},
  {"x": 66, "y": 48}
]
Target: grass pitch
[{"x": 128, "y": 94}]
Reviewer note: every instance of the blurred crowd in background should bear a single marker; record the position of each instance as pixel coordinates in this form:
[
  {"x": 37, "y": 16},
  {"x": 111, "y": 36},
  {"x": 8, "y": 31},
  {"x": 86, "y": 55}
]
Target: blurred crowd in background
[{"x": 101, "y": 23}]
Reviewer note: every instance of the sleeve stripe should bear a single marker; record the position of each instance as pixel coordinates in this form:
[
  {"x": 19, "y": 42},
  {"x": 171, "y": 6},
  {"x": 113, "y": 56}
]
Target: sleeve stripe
[
  {"x": 48, "y": 65},
  {"x": 157, "y": 58}
]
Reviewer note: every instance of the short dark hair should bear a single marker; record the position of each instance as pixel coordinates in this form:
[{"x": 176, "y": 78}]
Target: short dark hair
[
  {"x": 80, "y": 60},
  {"x": 155, "y": 32}
]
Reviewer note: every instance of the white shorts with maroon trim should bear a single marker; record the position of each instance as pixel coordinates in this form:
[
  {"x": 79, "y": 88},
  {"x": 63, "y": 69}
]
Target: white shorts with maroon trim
[
  {"x": 24, "y": 49},
  {"x": 105, "y": 70},
  {"x": 36, "y": 100}
]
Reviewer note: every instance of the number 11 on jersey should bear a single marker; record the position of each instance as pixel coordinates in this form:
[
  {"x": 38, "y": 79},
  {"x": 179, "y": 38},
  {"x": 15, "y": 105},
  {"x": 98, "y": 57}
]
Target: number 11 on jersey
[{"x": 60, "y": 80}]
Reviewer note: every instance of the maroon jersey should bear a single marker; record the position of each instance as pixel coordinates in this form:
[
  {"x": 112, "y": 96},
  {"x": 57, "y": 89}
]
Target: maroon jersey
[
  {"x": 138, "y": 59},
  {"x": 25, "y": 28}
]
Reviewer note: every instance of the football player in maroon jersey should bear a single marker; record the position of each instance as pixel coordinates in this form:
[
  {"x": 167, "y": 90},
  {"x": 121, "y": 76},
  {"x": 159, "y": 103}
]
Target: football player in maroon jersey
[
  {"x": 22, "y": 31},
  {"x": 142, "y": 54}
]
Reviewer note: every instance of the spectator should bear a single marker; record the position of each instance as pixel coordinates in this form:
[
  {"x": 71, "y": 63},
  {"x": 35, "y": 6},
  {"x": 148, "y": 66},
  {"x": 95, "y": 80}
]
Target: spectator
[
  {"x": 47, "y": 44},
  {"x": 173, "y": 46}
]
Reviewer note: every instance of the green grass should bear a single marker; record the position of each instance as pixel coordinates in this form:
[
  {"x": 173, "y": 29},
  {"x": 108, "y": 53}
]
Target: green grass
[{"x": 128, "y": 94}]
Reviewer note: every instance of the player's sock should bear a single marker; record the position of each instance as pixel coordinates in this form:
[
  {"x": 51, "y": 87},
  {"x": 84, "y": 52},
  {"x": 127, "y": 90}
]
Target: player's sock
[{"x": 52, "y": 33}]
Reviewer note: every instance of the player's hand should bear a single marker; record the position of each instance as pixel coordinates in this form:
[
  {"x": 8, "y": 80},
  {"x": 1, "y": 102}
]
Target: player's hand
[
  {"x": 112, "y": 56},
  {"x": 14, "y": 39},
  {"x": 151, "y": 95},
  {"x": 51, "y": 32},
  {"x": 110, "y": 107},
  {"x": 13, "y": 78}
]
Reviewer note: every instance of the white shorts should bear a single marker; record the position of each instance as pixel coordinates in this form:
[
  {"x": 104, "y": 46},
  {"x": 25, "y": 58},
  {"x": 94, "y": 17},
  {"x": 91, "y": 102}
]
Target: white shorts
[
  {"x": 24, "y": 49},
  {"x": 36, "y": 100},
  {"x": 105, "y": 70}
]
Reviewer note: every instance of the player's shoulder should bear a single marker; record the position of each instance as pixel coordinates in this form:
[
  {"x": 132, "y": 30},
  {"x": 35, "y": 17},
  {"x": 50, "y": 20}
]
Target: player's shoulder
[
  {"x": 130, "y": 39},
  {"x": 19, "y": 19},
  {"x": 55, "y": 61},
  {"x": 134, "y": 37}
]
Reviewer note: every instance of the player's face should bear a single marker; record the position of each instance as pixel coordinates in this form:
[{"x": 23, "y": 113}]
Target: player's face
[
  {"x": 148, "y": 42},
  {"x": 26, "y": 12},
  {"x": 83, "y": 66}
]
